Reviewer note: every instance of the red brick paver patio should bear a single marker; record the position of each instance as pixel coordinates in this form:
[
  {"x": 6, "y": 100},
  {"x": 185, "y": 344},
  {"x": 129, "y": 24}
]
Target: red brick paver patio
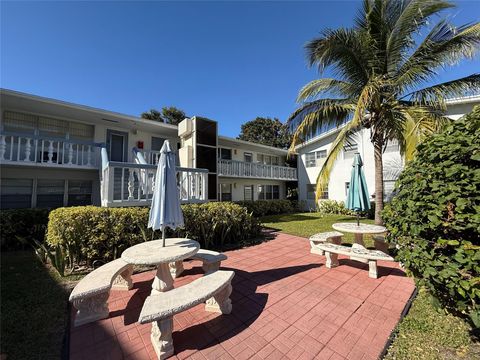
[{"x": 286, "y": 305}]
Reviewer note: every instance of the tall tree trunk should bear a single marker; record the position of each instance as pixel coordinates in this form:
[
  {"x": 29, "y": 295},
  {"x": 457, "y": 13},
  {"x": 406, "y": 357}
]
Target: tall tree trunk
[{"x": 378, "y": 156}]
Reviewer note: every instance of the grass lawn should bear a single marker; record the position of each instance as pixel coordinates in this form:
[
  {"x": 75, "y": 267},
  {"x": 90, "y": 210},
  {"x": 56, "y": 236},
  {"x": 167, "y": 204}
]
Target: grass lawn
[
  {"x": 307, "y": 224},
  {"x": 33, "y": 308},
  {"x": 425, "y": 333},
  {"x": 428, "y": 334}
]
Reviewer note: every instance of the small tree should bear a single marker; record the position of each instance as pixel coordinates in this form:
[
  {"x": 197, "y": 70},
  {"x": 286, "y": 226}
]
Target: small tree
[
  {"x": 170, "y": 115},
  {"x": 266, "y": 131},
  {"x": 152, "y": 115},
  {"x": 435, "y": 217}
]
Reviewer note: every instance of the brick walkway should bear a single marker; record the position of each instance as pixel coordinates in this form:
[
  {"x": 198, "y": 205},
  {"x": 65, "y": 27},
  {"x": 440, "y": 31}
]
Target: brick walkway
[{"x": 286, "y": 304}]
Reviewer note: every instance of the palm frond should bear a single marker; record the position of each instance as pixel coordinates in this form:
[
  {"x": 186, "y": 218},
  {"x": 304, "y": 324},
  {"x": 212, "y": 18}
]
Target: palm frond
[
  {"x": 420, "y": 123},
  {"x": 343, "y": 49},
  {"x": 409, "y": 17},
  {"x": 445, "y": 44},
  {"x": 330, "y": 86},
  {"x": 343, "y": 137},
  {"x": 309, "y": 118},
  {"x": 437, "y": 94}
]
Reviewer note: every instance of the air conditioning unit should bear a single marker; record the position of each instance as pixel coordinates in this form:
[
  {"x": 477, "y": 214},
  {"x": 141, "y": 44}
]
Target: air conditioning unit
[
  {"x": 185, "y": 128},
  {"x": 185, "y": 155}
]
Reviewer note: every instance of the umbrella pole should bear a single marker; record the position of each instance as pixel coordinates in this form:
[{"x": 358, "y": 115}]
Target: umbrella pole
[
  {"x": 358, "y": 218},
  {"x": 163, "y": 237}
]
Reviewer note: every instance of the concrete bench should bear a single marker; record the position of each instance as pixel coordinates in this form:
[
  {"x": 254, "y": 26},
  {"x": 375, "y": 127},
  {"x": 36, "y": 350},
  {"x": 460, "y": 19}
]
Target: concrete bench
[
  {"x": 380, "y": 243},
  {"x": 214, "y": 288},
  {"x": 333, "y": 237},
  {"x": 211, "y": 262},
  {"x": 356, "y": 251},
  {"x": 90, "y": 295}
]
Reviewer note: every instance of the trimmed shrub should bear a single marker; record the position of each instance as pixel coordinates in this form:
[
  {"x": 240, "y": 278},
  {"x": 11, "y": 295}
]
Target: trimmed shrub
[
  {"x": 19, "y": 227},
  {"x": 88, "y": 233},
  {"x": 333, "y": 207},
  {"x": 434, "y": 219},
  {"x": 269, "y": 207}
]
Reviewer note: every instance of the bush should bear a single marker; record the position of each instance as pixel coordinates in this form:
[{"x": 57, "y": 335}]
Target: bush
[
  {"x": 435, "y": 216},
  {"x": 333, "y": 207},
  {"x": 18, "y": 227},
  {"x": 88, "y": 233},
  {"x": 269, "y": 207}
]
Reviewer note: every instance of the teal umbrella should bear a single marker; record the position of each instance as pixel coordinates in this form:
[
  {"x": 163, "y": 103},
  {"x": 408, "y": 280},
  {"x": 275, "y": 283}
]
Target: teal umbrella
[{"x": 358, "y": 198}]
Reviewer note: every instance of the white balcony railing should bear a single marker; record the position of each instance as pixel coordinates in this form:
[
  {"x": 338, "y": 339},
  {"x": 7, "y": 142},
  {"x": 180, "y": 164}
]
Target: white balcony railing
[
  {"x": 151, "y": 156},
  {"x": 234, "y": 168},
  {"x": 129, "y": 184},
  {"x": 22, "y": 149}
]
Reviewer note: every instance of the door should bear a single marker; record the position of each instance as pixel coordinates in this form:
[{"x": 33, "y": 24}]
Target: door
[{"x": 117, "y": 143}]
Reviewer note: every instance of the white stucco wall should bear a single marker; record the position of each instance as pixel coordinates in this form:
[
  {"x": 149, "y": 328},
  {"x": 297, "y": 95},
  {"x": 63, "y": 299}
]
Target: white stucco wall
[{"x": 341, "y": 172}]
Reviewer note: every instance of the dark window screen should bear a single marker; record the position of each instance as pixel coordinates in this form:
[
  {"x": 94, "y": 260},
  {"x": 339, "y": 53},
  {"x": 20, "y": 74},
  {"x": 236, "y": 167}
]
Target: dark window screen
[
  {"x": 206, "y": 132},
  {"x": 207, "y": 158},
  {"x": 212, "y": 186}
]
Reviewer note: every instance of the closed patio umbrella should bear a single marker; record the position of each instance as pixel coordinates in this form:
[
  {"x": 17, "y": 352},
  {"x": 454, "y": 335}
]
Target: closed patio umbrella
[
  {"x": 358, "y": 198},
  {"x": 165, "y": 209}
]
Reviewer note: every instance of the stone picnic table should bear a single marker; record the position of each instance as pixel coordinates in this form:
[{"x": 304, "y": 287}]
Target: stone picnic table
[
  {"x": 358, "y": 231},
  {"x": 153, "y": 253}
]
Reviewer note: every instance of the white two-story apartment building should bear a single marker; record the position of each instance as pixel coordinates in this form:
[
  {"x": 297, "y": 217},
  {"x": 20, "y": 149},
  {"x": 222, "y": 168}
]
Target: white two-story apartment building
[
  {"x": 54, "y": 153},
  {"x": 312, "y": 154}
]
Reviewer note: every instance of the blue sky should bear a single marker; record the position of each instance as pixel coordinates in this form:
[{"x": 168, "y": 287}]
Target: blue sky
[{"x": 229, "y": 61}]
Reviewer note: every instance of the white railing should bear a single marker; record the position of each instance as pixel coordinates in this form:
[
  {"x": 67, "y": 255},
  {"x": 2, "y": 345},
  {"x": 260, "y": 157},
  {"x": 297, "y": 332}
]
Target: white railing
[
  {"x": 22, "y": 149},
  {"x": 236, "y": 168},
  {"x": 151, "y": 156},
  {"x": 129, "y": 184}
]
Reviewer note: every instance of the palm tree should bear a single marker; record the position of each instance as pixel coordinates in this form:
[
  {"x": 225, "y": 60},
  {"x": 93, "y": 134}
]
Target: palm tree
[{"x": 380, "y": 66}]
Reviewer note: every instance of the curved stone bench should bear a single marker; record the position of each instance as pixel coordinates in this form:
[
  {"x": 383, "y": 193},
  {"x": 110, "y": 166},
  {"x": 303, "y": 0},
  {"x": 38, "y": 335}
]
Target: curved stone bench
[
  {"x": 211, "y": 262},
  {"x": 90, "y": 295},
  {"x": 214, "y": 288},
  {"x": 333, "y": 237},
  {"x": 356, "y": 251},
  {"x": 380, "y": 243}
]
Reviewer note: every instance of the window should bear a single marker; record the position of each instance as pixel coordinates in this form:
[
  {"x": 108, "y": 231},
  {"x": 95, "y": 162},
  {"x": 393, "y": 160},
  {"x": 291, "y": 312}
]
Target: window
[
  {"x": 79, "y": 192},
  {"x": 225, "y": 154},
  {"x": 157, "y": 143},
  {"x": 28, "y": 123},
  {"x": 310, "y": 160},
  {"x": 247, "y": 157},
  {"x": 275, "y": 192},
  {"x": 16, "y": 193},
  {"x": 50, "y": 193},
  {"x": 311, "y": 192},
  {"x": 275, "y": 160},
  {"x": 268, "y": 192},
  {"x": 314, "y": 159},
  {"x": 248, "y": 193},
  {"x": 225, "y": 192}
]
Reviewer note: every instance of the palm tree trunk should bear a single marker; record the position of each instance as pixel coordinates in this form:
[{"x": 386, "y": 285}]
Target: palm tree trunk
[{"x": 378, "y": 157}]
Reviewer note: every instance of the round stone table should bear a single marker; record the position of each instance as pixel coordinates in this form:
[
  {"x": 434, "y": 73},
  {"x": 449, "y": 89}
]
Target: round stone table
[
  {"x": 359, "y": 230},
  {"x": 152, "y": 253}
]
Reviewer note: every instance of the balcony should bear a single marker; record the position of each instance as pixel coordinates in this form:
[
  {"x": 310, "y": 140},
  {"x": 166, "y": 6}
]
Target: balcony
[
  {"x": 132, "y": 184},
  {"x": 234, "y": 168},
  {"x": 33, "y": 150}
]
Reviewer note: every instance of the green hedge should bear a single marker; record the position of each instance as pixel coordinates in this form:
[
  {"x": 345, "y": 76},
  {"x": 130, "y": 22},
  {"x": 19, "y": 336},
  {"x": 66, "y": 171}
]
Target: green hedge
[
  {"x": 20, "y": 226},
  {"x": 88, "y": 233},
  {"x": 269, "y": 207},
  {"x": 434, "y": 219},
  {"x": 333, "y": 207}
]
